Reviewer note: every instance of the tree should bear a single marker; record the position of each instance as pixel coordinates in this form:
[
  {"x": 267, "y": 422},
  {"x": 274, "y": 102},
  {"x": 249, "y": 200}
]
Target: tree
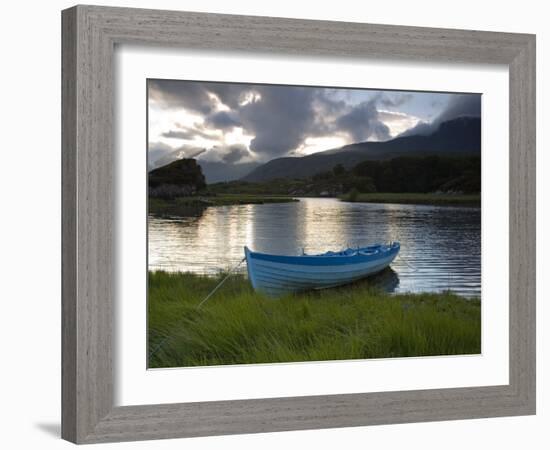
[{"x": 339, "y": 169}]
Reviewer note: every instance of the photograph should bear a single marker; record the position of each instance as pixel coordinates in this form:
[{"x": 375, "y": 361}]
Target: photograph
[{"x": 290, "y": 224}]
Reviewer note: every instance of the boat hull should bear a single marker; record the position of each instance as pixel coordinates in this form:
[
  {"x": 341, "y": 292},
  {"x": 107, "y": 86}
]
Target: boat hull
[{"x": 277, "y": 275}]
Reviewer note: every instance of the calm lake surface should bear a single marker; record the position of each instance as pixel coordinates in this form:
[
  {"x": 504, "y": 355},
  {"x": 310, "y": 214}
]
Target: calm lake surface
[{"x": 440, "y": 246}]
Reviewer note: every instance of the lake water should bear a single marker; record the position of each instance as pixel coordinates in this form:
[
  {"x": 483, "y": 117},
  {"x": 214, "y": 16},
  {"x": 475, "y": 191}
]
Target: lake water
[{"x": 440, "y": 246}]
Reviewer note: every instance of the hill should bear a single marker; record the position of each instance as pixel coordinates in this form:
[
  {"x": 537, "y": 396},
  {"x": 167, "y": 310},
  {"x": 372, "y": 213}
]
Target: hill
[
  {"x": 217, "y": 171},
  {"x": 404, "y": 174},
  {"x": 182, "y": 177},
  {"x": 460, "y": 136}
]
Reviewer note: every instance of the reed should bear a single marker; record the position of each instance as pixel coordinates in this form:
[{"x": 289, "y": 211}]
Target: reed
[{"x": 240, "y": 326}]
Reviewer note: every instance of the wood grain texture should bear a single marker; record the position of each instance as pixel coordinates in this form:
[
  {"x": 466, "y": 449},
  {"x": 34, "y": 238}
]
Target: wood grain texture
[
  {"x": 89, "y": 36},
  {"x": 68, "y": 225},
  {"x": 522, "y": 224}
]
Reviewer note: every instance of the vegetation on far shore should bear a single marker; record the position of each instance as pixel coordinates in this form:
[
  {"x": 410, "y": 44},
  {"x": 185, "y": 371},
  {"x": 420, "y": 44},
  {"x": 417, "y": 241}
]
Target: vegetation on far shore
[
  {"x": 414, "y": 198},
  {"x": 427, "y": 174},
  {"x": 183, "y": 206},
  {"x": 240, "y": 326},
  {"x": 179, "y": 187},
  {"x": 180, "y": 206}
]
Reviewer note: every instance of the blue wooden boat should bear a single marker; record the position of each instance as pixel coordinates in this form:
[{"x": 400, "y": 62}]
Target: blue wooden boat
[{"x": 277, "y": 275}]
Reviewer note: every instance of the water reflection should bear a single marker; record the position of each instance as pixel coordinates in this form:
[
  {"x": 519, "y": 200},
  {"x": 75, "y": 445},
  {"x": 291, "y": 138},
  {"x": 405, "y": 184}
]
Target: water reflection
[{"x": 440, "y": 246}]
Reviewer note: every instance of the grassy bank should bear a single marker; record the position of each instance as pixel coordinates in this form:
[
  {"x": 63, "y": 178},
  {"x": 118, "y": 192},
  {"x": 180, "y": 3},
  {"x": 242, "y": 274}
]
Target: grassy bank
[
  {"x": 239, "y": 326},
  {"x": 413, "y": 198},
  {"x": 180, "y": 205}
]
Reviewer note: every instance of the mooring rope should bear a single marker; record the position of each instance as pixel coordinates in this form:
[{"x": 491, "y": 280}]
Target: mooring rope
[
  {"x": 414, "y": 269},
  {"x": 212, "y": 292},
  {"x": 168, "y": 337}
]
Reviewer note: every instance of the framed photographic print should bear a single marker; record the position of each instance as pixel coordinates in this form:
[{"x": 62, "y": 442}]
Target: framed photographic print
[{"x": 265, "y": 229}]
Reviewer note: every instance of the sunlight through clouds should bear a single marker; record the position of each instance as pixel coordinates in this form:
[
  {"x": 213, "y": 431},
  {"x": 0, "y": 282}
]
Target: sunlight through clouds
[
  {"x": 235, "y": 123},
  {"x": 318, "y": 144},
  {"x": 398, "y": 122}
]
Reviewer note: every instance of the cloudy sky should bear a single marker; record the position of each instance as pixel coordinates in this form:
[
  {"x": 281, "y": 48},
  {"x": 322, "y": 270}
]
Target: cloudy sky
[{"x": 235, "y": 124}]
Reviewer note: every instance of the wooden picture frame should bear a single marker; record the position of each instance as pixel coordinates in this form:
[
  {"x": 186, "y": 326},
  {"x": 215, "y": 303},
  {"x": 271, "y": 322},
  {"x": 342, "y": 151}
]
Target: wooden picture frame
[{"x": 90, "y": 34}]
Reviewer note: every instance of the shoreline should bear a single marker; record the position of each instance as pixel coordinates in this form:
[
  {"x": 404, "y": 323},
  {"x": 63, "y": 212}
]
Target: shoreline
[
  {"x": 182, "y": 205},
  {"x": 240, "y": 326},
  {"x": 471, "y": 200}
]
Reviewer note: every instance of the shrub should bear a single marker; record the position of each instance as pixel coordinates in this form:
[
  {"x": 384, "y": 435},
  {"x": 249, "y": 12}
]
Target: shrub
[{"x": 352, "y": 196}]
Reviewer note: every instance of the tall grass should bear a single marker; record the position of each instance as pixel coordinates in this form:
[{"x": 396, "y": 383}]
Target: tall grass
[{"x": 239, "y": 326}]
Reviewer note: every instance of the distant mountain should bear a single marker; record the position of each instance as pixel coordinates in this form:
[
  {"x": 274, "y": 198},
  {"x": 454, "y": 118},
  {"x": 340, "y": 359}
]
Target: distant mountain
[
  {"x": 214, "y": 172},
  {"x": 457, "y": 136}
]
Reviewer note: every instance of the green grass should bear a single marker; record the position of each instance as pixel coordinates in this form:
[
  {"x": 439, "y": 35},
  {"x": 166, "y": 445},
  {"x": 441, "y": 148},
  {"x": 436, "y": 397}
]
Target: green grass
[
  {"x": 239, "y": 326},
  {"x": 413, "y": 198},
  {"x": 181, "y": 205}
]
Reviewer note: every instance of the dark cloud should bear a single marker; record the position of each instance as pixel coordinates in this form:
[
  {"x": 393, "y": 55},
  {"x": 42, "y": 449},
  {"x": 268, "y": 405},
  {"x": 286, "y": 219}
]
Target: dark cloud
[
  {"x": 327, "y": 104},
  {"x": 280, "y": 120},
  {"x": 235, "y": 153},
  {"x": 180, "y": 134},
  {"x": 196, "y": 96},
  {"x": 223, "y": 120},
  {"x": 459, "y": 105},
  {"x": 327, "y": 110},
  {"x": 229, "y": 154},
  {"x": 396, "y": 100},
  {"x": 175, "y": 94},
  {"x": 363, "y": 123},
  {"x": 230, "y": 94}
]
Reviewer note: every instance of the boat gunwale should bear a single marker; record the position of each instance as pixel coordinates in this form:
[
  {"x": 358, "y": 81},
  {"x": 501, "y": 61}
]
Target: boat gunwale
[{"x": 326, "y": 260}]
